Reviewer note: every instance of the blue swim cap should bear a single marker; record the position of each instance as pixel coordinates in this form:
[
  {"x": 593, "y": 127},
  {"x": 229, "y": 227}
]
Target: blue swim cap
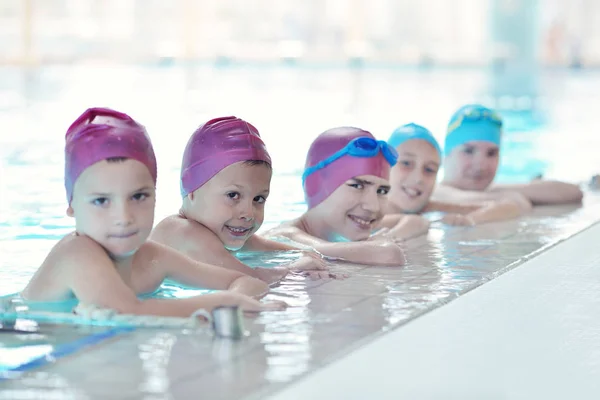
[
  {"x": 412, "y": 131},
  {"x": 473, "y": 122}
]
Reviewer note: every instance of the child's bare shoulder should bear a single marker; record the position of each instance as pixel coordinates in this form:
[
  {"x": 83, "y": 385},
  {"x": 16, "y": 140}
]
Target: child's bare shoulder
[
  {"x": 175, "y": 227},
  {"x": 74, "y": 246},
  {"x": 182, "y": 234},
  {"x": 286, "y": 228},
  {"x": 49, "y": 282}
]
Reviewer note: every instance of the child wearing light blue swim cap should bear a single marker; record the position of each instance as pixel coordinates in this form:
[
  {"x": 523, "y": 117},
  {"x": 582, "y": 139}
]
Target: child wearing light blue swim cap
[
  {"x": 413, "y": 180},
  {"x": 471, "y": 158},
  {"x": 472, "y": 147},
  {"x": 413, "y": 177}
]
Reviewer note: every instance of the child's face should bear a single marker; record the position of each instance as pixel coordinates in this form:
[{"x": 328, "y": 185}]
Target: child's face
[
  {"x": 472, "y": 166},
  {"x": 113, "y": 203},
  {"x": 414, "y": 175},
  {"x": 355, "y": 208},
  {"x": 232, "y": 203}
]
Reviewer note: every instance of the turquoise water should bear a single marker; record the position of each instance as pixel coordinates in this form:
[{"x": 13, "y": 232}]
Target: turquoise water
[
  {"x": 168, "y": 290},
  {"x": 289, "y": 106}
]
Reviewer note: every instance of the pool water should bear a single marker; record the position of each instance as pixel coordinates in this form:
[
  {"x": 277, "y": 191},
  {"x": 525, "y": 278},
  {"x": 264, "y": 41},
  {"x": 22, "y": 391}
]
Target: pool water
[{"x": 290, "y": 106}]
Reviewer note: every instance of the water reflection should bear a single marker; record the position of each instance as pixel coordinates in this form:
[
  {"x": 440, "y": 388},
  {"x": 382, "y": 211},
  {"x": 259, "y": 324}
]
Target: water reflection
[
  {"x": 155, "y": 355},
  {"x": 40, "y": 385},
  {"x": 286, "y": 335}
]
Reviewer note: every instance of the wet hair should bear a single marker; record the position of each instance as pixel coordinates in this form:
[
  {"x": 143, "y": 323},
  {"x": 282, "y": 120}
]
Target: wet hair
[
  {"x": 252, "y": 163},
  {"x": 116, "y": 159}
]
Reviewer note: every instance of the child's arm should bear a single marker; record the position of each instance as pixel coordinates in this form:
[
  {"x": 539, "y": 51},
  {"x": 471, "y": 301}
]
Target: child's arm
[
  {"x": 311, "y": 262},
  {"x": 492, "y": 211},
  {"x": 463, "y": 208},
  {"x": 175, "y": 265},
  {"x": 542, "y": 192},
  {"x": 404, "y": 226},
  {"x": 92, "y": 277},
  {"x": 259, "y": 243},
  {"x": 200, "y": 244},
  {"x": 364, "y": 252}
]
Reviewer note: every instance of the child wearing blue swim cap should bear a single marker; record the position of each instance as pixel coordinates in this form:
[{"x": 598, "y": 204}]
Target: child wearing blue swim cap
[
  {"x": 472, "y": 147},
  {"x": 471, "y": 158},
  {"x": 413, "y": 180},
  {"x": 414, "y": 176}
]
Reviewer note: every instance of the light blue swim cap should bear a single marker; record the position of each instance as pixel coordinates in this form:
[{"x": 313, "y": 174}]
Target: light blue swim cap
[
  {"x": 412, "y": 131},
  {"x": 473, "y": 122}
]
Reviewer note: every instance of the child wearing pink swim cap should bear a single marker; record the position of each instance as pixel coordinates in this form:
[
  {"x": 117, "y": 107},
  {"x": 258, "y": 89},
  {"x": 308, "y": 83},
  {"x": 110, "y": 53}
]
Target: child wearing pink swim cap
[
  {"x": 225, "y": 182},
  {"x": 346, "y": 184},
  {"x": 110, "y": 179}
]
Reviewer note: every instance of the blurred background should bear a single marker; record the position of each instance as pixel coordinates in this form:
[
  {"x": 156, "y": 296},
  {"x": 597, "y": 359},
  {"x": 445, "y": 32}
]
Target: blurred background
[
  {"x": 293, "y": 69},
  {"x": 401, "y": 32}
]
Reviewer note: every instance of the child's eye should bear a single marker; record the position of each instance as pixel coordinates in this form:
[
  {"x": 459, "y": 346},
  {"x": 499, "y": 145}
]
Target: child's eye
[
  {"x": 260, "y": 199},
  {"x": 233, "y": 195},
  {"x": 469, "y": 150},
  {"x": 431, "y": 170},
  {"x": 492, "y": 153},
  {"x": 383, "y": 190},
  {"x": 405, "y": 163},
  {"x": 356, "y": 185},
  {"x": 140, "y": 196},
  {"x": 100, "y": 201}
]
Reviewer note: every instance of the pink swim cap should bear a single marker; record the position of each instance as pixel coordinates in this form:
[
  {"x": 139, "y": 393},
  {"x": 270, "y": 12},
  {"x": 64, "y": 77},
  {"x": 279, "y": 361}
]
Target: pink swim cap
[
  {"x": 101, "y": 133},
  {"x": 324, "y": 181},
  {"x": 217, "y": 144}
]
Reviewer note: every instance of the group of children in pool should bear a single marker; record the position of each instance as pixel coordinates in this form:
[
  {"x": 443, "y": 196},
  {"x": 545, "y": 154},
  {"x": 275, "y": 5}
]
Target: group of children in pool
[{"x": 364, "y": 196}]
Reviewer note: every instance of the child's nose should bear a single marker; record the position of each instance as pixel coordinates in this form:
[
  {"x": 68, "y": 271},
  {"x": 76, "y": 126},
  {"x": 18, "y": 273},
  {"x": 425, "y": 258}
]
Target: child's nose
[
  {"x": 418, "y": 176},
  {"x": 123, "y": 216},
  {"x": 246, "y": 211},
  {"x": 371, "y": 201}
]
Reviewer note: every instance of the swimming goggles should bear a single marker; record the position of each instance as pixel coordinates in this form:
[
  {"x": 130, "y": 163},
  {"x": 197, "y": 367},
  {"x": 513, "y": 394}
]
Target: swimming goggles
[
  {"x": 476, "y": 115},
  {"x": 359, "y": 147}
]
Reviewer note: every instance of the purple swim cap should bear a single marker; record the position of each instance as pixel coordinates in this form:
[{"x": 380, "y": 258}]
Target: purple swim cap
[
  {"x": 217, "y": 144},
  {"x": 323, "y": 182},
  {"x": 101, "y": 133}
]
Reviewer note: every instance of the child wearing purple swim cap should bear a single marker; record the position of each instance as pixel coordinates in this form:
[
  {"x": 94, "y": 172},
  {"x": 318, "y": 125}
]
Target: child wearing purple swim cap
[
  {"x": 346, "y": 184},
  {"x": 225, "y": 182},
  {"x": 471, "y": 159},
  {"x": 110, "y": 179}
]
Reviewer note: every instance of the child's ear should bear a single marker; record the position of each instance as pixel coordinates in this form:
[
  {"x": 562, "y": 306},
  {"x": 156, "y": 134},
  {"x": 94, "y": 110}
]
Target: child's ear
[
  {"x": 70, "y": 211},
  {"x": 191, "y": 196}
]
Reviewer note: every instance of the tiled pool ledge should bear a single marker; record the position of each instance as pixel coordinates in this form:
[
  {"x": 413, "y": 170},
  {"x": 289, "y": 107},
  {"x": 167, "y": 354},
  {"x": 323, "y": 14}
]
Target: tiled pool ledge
[
  {"x": 326, "y": 320},
  {"x": 532, "y": 333}
]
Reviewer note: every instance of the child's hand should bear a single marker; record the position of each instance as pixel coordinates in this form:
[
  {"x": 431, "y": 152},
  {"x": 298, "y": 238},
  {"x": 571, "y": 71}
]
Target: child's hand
[
  {"x": 273, "y": 305},
  {"x": 252, "y": 306},
  {"x": 271, "y": 275},
  {"x": 383, "y": 252},
  {"x": 309, "y": 262},
  {"x": 313, "y": 266},
  {"x": 391, "y": 253},
  {"x": 458, "y": 220},
  {"x": 385, "y": 235}
]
